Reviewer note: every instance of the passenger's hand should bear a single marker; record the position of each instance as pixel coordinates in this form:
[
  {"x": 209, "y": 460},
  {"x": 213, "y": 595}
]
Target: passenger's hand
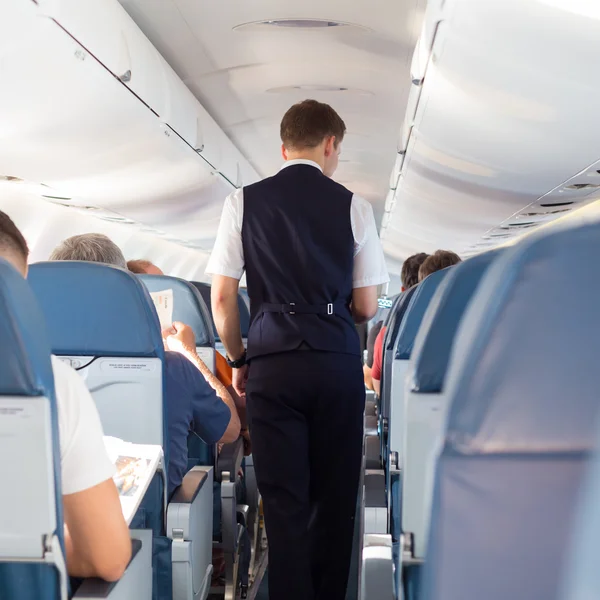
[
  {"x": 179, "y": 337},
  {"x": 239, "y": 378}
]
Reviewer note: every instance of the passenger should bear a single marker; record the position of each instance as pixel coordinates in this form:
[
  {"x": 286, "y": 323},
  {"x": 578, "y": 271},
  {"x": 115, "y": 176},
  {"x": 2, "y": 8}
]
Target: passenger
[
  {"x": 409, "y": 278},
  {"x": 368, "y": 366},
  {"x": 196, "y": 399},
  {"x": 97, "y": 538},
  {"x": 92, "y": 247},
  {"x": 141, "y": 267},
  {"x": 439, "y": 260}
]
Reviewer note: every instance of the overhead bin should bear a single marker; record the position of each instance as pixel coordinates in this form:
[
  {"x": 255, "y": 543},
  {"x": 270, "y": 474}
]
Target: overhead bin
[
  {"x": 67, "y": 122},
  {"x": 109, "y": 34}
]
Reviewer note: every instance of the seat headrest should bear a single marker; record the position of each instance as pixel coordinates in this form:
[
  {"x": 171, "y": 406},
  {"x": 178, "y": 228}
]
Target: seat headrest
[
  {"x": 204, "y": 289},
  {"x": 523, "y": 373},
  {"x": 395, "y": 317},
  {"x": 94, "y": 309},
  {"x": 415, "y": 311},
  {"x": 441, "y": 321},
  {"x": 25, "y": 368},
  {"x": 188, "y": 306}
]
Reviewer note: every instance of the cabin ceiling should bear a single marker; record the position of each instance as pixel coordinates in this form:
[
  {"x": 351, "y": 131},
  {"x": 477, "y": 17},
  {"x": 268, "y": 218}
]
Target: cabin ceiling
[{"x": 247, "y": 77}]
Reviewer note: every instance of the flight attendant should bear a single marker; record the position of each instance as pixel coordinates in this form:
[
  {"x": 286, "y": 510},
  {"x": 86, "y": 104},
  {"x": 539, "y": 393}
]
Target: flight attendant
[{"x": 313, "y": 261}]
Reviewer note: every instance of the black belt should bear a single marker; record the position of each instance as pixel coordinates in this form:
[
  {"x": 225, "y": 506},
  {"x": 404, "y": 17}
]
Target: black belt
[{"x": 293, "y": 308}]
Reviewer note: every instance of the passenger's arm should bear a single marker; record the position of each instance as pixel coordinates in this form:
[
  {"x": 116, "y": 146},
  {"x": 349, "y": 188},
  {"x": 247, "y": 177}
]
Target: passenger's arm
[
  {"x": 377, "y": 386},
  {"x": 183, "y": 341},
  {"x": 364, "y": 303},
  {"x": 97, "y": 541},
  {"x": 378, "y": 360},
  {"x": 368, "y": 377}
]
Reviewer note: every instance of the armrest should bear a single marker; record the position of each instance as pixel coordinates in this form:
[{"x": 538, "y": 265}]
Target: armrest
[
  {"x": 377, "y": 578},
  {"x": 230, "y": 460},
  {"x": 375, "y": 495},
  {"x": 191, "y": 485},
  {"x": 98, "y": 588},
  {"x": 371, "y": 425}
]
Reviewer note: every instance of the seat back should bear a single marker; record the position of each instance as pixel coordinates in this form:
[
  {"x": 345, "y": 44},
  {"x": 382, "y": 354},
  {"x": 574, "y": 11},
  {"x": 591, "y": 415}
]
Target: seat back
[
  {"x": 31, "y": 521},
  {"x": 245, "y": 298},
  {"x": 581, "y": 579},
  {"x": 407, "y": 333},
  {"x": 523, "y": 383},
  {"x": 425, "y": 402},
  {"x": 103, "y": 320},
  {"x": 392, "y": 324},
  {"x": 190, "y": 308}
]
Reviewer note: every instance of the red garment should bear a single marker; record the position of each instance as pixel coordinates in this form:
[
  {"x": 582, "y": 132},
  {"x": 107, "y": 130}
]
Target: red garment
[{"x": 378, "y": 355}]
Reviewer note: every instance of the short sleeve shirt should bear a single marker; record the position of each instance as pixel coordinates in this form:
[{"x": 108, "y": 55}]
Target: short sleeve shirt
[
  {"x": 378, "y": 355},
  {"x": 227, "y": 257},
  {"x": 192, "y": 406},
  {"x": 83, "y": 457}
]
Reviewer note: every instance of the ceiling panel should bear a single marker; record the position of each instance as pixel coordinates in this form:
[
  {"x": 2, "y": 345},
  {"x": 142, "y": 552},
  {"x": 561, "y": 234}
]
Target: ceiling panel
[{"x": 232, "y": 70}]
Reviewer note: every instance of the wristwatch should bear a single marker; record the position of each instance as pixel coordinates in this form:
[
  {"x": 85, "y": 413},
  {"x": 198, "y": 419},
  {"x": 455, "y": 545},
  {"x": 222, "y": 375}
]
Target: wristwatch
[{"x": 237, "y": 364}]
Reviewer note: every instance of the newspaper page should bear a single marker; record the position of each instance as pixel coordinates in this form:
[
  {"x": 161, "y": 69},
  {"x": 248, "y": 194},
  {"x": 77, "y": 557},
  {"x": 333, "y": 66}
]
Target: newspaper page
[
  {"x": 136, "y": 465},
  {"x": 163, "y": 301}
]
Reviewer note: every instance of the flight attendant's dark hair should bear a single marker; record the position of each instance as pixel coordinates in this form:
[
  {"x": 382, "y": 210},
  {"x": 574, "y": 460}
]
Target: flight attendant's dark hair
[{"x": 308, "y": 123}]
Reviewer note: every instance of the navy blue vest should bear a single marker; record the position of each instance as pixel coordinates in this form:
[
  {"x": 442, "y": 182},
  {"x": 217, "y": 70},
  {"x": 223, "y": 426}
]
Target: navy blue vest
[{"x": 299, "y": 253}]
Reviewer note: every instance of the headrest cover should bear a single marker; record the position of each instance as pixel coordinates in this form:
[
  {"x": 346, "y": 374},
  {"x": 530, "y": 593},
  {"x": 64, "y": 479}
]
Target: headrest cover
[
  {"x": 94, "y": 309},
  {"x": 25, "y": 368},
  {"x": 523, "y": 374},
  {"x": 415, "y": 311},
  {"x": 396, "y": 316},
  {"x": 204, "y": 289},
  {"x": 188, "y": 306},
  {"x": 441, "y": 320}
]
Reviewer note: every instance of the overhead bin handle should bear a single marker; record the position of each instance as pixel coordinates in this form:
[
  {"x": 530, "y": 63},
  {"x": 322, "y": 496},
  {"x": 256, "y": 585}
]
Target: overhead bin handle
[{"x": 199, "y": 136}]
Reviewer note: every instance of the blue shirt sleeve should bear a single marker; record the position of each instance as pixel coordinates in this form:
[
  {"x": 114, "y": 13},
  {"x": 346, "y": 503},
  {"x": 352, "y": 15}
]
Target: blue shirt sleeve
[{"x": 210, "y": 415}]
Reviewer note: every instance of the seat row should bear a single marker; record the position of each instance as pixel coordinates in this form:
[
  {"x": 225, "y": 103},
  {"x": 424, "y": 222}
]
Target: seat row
[
  {"x": 102, "y": 320},
  {"x": 487, "y": 418}
]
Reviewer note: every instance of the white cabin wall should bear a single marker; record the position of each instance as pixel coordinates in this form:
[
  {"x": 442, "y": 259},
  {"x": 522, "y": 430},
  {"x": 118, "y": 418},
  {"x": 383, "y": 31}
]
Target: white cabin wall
[{"x": 45, "y": 225}]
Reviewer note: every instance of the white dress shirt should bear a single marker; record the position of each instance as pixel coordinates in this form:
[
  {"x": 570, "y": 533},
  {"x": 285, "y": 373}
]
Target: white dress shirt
[{"x": 227, "y": 257}]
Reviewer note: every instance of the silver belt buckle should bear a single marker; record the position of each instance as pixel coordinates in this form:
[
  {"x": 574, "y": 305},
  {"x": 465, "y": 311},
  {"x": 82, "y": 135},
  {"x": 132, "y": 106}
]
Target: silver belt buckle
[
  {"x": 330, "y": 309},
  {"x": 292, "y": 304}
]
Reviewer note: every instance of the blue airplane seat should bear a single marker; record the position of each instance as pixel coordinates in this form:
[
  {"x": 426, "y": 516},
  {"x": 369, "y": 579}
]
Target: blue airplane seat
[
  {"x": 102, "y": 319},
  {"x": 425, "y": 403},
  {"x": 401, "y": 351},
  {"x": 581, "y": 580},
  {"x": 523, "y": 386},
  {"x": 33, "y": 508},
  {"x": 189, "y": 307},
  {"x": 31, "y": 515}
]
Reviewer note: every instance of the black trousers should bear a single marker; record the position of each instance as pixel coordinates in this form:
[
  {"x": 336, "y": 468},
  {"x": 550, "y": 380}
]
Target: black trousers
[{"x": 306, "y": 419}]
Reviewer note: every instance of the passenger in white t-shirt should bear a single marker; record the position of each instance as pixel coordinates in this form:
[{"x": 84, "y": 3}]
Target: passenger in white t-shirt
[{"x": 97, "y": 541}]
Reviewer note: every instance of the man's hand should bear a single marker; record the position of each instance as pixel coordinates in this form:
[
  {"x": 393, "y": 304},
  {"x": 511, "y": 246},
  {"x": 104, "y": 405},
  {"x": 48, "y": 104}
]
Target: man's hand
[
  {"x": 239, "y": 379},
  {"x": 179, "y": 338}
]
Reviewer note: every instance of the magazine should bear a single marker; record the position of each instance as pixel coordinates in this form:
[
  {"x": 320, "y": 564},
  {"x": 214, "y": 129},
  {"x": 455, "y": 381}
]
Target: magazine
[
  {"x": 163, "y": 301},
  {"x": 136, "y": 464}
]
